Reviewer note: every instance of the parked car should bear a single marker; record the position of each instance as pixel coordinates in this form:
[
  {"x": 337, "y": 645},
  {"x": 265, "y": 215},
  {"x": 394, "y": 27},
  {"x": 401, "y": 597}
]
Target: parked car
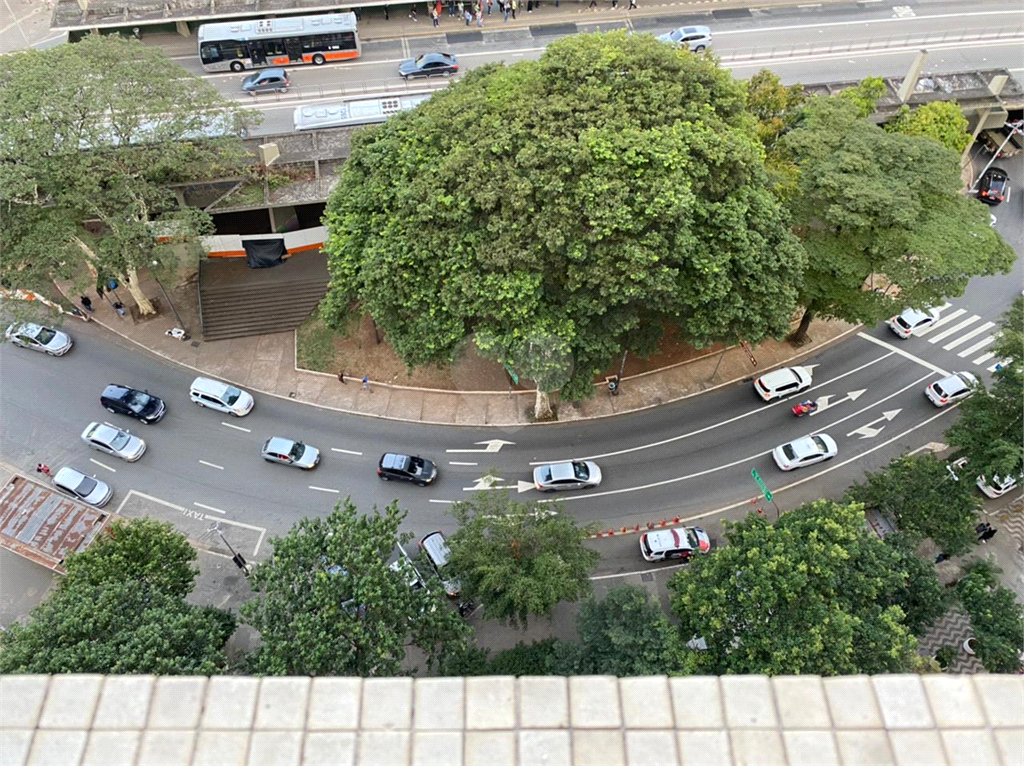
[
  {"x": 779, "y": 384},
  {"x": 998, "y": 486},
  {"x": 805, "y": 451},
  {"x": 141, "y": 405},
  {"x": 207, "y": 392},
  {"x": 994, "y": 186},
  {"x": 418, "y": 470},
  {"x": 435, "y": 551},
  {"x": 39, "y": 338},
  {"x": 114, "y": 441},
  {"x": 674, "y": 544},
  {"x": 273, "y": 80},
  {"x": 574, "y": 474},
  {"x": 404, "y": 567},
  {"x": 695, "y": 39},
  {"x": 913, "y": 320},
  {"x": 278, "y": 449},
  {"x": 954, "y": 388},
  {"x": 88, "y": 489},
  {"x": 429, "y": 65}
]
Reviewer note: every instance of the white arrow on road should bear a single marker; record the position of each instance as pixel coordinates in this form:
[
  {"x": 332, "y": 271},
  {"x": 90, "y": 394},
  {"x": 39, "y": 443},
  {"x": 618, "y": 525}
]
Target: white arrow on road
[
  {"x": 494, "y": 482},
  {"x": 930, "y": 447},
  {"x": 492, "y": 446},
  {"x": 866, "y": 431},
  {"x": 824, "y": 403}
]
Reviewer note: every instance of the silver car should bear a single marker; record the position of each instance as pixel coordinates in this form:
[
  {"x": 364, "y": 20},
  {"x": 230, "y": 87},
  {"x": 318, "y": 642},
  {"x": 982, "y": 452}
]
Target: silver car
[
  {"x": 575, "y": 474},
  {"x": 277, "y": 449},
  {"x": 39, "y": 338},
  {"x": 88, "y": 489},
  {"x": 951, "y": 389},
  {"x": 114, "y": 441},
  {"x": 695, "y": 39}
]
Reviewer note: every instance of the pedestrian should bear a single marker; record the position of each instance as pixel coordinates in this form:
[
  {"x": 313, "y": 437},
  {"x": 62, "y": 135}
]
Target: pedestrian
[
  {"x": 941, "y": 557},
  {"x": 508, "y": 10},
  {"x": 615, "y": 4},
  {"x": 462, "y": 9},
  {"x": 119, "y": 308},
  {"x": 451, "y": 7},
  {"x": 469, "y": 17},
  {"x": 632, "y": 5},
  {"x": 501, "y": 6},
  {"x": 434, "y": 17},
  {"x": 412, "y": 15},
  {"x": 593, "y": 5},
  {"x": 439, "y": 9},
  {"x": 987, "y": 535},
  {"x": 386, "y": 13},
  {"x": 479, "y": 19},
  {"x": 982, "y": 527},
  {"x": 86, "y": 303},
  {"x": 515, "y": 5},
  {"x": 99, "y": 290},
  {"x": 341, "y": 377},
  {"x": 490, "y": 6},
  {"x": 366, "y": 382},
  {"x": 44, "y": 469}
]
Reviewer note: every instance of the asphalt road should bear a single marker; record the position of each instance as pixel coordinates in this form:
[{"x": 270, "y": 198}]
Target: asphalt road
[{"x": 802, "y": 45}]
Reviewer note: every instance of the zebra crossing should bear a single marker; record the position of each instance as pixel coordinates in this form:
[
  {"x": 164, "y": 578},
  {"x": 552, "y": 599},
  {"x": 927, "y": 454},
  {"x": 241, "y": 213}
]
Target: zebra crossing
[{"x": 965, "y": 329}]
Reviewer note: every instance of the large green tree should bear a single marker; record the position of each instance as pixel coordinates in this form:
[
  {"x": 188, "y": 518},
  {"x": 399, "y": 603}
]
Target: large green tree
[
  {"x": 329, "y": 603},
  {"x": 121, "y": 609},
  {"x": 925, "y": 501},
  {"x": 995, "y": 619},
  {"x": 612, "y": 186},
  {"x": 989, "y": 430},
  {"x": 943, "y": 121},
  {"x": 885, "y": 211},
  {"x": 518, "y": 559},
  {"x": 89, "y": 156},
  {"x": 813, "y": 593}
]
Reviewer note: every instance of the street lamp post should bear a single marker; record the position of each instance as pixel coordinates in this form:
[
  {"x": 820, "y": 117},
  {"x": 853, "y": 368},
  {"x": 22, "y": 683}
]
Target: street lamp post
[{"x": 168, "y": 298}]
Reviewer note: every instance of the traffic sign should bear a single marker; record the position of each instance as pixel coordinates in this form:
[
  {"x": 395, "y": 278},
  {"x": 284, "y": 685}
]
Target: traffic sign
[{"x": 760, "y": 482}]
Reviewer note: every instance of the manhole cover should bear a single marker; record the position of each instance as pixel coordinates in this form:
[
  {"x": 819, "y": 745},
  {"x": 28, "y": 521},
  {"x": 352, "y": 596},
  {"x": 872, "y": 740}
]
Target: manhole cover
[{"x": 647, "y": 577}]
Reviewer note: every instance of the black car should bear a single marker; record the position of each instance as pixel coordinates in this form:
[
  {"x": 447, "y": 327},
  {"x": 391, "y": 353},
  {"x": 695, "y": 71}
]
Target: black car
[
  {"x": 429, "y": 64},
  {"x": 994, "y": 186},
  {"x": 141, "y": 405},
  {"x": 406, "y": 468}
]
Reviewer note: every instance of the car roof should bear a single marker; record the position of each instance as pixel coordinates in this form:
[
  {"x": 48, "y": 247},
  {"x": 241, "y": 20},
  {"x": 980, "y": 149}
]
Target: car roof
[
  {"x": 436, "y": 547},
  {"x": 275, "y": 72},
  {"x": 279, "y": 444},
  {"x": 438, "y": 57},
  {"x": 209, "y": 386},
  {"x": 915, "y": 315},
  {"x": 997, "y": 173},
  {"x": 960, "y": 379},
  {"x": 664, "y": 539},
  {"x": 562, "y": 471},
  {"x": 805, "y": 446},
  {"x": 103, "y": 432},
  {"x": 394, "y": 460},
  {"x": 782, "y": 376},
  {"x": 114, "y": 391},
  {"x": 68, "y": 475}
]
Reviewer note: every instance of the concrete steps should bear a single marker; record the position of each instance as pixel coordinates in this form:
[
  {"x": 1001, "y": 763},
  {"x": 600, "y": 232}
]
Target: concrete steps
[{"x": 243, "y": 309}]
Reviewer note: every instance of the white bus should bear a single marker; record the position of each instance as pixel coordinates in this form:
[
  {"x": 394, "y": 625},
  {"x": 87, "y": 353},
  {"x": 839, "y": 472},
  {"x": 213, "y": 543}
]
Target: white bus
[
  {"x": 357, "y": 112},
  {"x": 254, "y": 43}
]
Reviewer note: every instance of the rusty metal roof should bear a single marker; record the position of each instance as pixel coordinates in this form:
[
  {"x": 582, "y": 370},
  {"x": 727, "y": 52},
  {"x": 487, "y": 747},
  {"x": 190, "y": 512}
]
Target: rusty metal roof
[{"x": 43, "y": 525}]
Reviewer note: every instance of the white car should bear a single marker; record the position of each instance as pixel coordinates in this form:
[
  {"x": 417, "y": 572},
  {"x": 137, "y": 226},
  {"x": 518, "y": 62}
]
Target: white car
[
  {"x": 956, "y": 387},
  {"x": 998, "y": 487},
  {"x": 88, "y": 489},
  {"x": 278, "y": 449},
  {"x": 779, "y": 384},
  {"x": 114, "y": 441},
  {"x": 207, "y": 392},
  {"x": 671, "y": 544},
  {"x": 576, "y": 474},
  {"x": 913, "y": 320},
  {"x": 805, "y": 451},
  {"x": 695, "y": 39},
  {"x": 39, "y": 338}
]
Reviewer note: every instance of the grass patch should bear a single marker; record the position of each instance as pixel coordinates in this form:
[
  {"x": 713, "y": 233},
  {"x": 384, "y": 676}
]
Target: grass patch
[{"x": 315, "y": 348}]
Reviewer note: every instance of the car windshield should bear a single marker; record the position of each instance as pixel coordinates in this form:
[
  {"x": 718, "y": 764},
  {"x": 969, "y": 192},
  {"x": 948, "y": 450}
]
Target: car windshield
[
  {"x": 691, "y": 536},
  {"x": 545, "y": 473},
  {"x": 420, "y": 60},
  {"x": 138, "y": 401},
  {"x": 297, "y": 450},
  {"x": 676, "y": 35},
  {"x": 787, "y": 450},
  {"x": 581, "y": 471},
  {"x": 822, "y": 447},
  {"x": 85, "y": 486},
  {"x": 120, "y": 440},
  {"x": 902, "y": 322},
  {"x": 45, "y": 335},
  {"x": 231, "y": 395}
]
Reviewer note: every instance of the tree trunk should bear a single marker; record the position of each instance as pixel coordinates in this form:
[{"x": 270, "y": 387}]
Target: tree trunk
[
  {"x": 800, "y": 336},
  {"x": 132, "y": 283},
  {"x": 542, "y": 406}
]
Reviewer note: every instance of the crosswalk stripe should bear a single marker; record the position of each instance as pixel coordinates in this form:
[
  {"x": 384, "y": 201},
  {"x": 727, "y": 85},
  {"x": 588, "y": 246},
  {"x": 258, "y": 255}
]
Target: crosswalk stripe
[
  {"x": 983, "y": 358},
  {"x": 955, "y": 328},
  {"x": 979, "y": 345},
  {"x": 966, "y": 337},
  {"x": 940, "y": 322}
]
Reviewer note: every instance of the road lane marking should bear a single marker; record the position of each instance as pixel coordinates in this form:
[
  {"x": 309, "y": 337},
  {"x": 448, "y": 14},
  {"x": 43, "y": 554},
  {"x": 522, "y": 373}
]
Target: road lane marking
[
  {"x": 325, "y": 489},
  {"x": 901, "y": 352},
  {"x": 212, "y": 465},
  {"x": 452, "y": 462},
  {"x": 939, "y": 322},
  {"x": 967, "y": 336},
  {"x": 983, "y": 358},
  {"x": 97, "y": 462},
  {"x": 954, "y": 329},
  {"x": 237, "y": 428},
  {"x": 207, "y": 507},
  {"x": 346, "y": 451},
  {"x": 977, "y": 347},
  {"x": 763, "y": 408}
]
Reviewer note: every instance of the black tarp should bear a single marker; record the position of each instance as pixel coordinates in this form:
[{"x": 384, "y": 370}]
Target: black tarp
[{"x": 263, "y": 253}]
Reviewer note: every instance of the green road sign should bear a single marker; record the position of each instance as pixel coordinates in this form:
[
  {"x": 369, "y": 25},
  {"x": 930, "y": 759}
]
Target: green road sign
[
  {"x": 760, "y": 482},
  {"x": 512, "y": 374}
]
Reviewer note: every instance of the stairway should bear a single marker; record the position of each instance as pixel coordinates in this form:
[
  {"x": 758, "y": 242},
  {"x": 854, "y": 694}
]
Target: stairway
[{"x": 236, "y": 301}]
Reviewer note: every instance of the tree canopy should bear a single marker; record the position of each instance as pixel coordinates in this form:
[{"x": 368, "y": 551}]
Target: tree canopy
[
  {"x": 100, "y": 144},
  {"x": 611, "y": 186},
  {"x": 121, "y": 609},
  {"x": 995, "y": 619},
  {"x": 925, "y": 501},
  {"x": 329, "y": 603},
  {"x": 518, "y": 559},
  {"x": 813, "y": 593},
  {"x": 989, "y": 430},
  {"x": 885, "y": 211},
  {"x": 943, "y": 121}
]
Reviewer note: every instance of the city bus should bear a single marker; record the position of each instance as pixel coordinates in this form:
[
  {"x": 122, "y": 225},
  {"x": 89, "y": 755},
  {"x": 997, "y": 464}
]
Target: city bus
[
  {"x": 355, "y": 112},
  {"x": 254, "y": 43}
]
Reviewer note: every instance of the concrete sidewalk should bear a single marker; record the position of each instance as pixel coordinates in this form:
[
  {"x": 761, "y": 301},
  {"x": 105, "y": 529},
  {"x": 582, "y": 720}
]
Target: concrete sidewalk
[{"x": 266, "y": 364}]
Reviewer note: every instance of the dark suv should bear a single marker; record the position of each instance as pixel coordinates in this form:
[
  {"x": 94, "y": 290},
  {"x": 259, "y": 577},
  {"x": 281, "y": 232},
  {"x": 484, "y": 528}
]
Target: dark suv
[
  {"x": 994, "y": 186},
  {"x": 141, "y": 405},
  {"x": 405, "y": 468}
]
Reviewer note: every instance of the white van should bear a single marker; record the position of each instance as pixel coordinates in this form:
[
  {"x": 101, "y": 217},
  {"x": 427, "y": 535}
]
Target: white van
[
  {"x": 435, "y": 550},
  {"x": 221, "y": 397}
]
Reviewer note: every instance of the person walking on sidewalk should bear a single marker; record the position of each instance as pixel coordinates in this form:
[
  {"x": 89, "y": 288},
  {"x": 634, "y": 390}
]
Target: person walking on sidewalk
[
  {"x": 434, "y": 17},
  {"x": 615, "y": 4},
  {"x": 341, "y": 377},
  {"x": 479, "y": 18},
  {"x": 86, "y": 303},
  {"x": 632, "y": 5},
  {"x": 507, "y": 9},
  {"x": 412, "y": 15},
  {"x": 514, "y": 6},
  {"x": 44, "y": 469},
  {"x": 490, "y": 5},
  {"x": 529, "y": 6},
  {"x": 366, "y": 383},
  {"x": 593, "y": 5}
]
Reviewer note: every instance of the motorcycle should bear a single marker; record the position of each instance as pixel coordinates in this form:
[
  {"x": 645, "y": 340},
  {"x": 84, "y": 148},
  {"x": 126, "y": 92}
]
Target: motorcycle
[{"x": 805, "y": 408}]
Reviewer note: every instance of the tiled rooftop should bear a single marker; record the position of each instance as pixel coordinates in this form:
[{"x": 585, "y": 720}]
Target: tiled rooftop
[{"x": 930, "y": 720}]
